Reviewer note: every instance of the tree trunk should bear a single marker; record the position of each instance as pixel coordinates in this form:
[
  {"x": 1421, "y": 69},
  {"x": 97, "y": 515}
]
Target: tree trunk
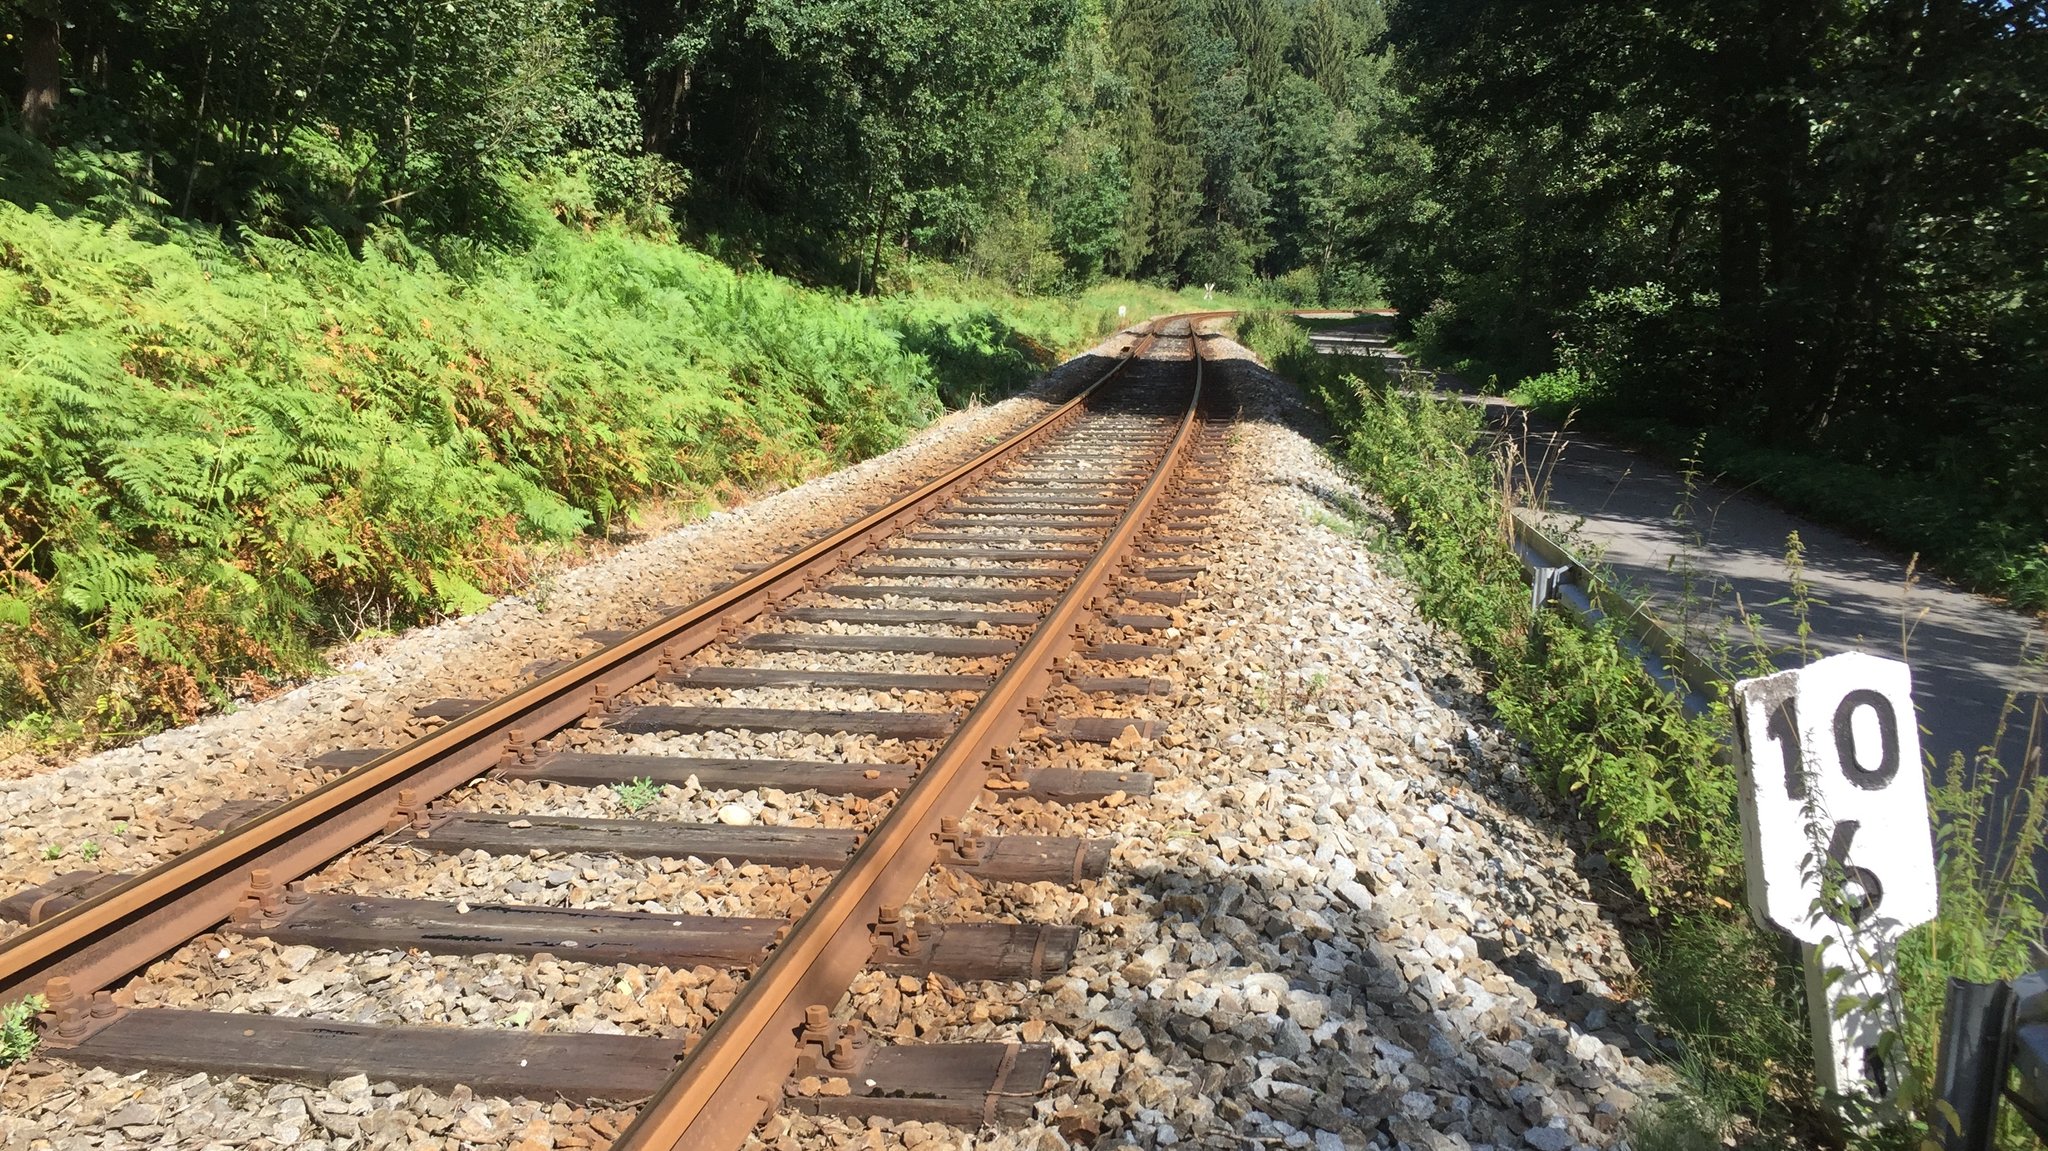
[
  {"x": 875, "y": 266},
  {"x": 41, "y": 66}
]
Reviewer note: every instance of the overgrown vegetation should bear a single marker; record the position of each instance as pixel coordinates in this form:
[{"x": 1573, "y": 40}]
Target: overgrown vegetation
[
  {"x": 220, "y": 452},
  {"x": 1643, "y": 775},
  {"x": 214, "y": 455}
]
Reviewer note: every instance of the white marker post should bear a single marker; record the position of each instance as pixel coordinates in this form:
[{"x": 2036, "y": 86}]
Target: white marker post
[{"x": 1839, "y": 853}]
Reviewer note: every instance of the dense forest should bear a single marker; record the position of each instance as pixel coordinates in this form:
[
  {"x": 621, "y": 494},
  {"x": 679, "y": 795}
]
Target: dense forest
[
  {"x": 1814, "y": 232},
  {"x": 1051, "y": 142},
  {"x": 1798, "y": 232}
]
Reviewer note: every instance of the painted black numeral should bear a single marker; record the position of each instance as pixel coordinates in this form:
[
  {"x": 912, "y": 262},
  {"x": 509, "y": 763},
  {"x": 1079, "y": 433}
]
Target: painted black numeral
[
  {"x": 1784, "y": 727},
  {"x": 1868, "y": 778},
  {"x": 1863, "y": 877}
]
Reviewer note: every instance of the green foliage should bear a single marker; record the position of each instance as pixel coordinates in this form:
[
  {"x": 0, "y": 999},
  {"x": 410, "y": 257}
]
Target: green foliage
[
  {"x": 17, "y": 1029},
  {"x": 214, "y": 457},
  {"x": 637, "y": 794},
  {"x": 1685, "y": 1122},
  {"x": 1558, "y": 392},
  {"x": 1283, "y": 344},
  {"x": 339, "y": 114},
  {"x": 972, "y": 350},
  {"x": 1734, "y": 993},
  {"x": 1819, "y": 232},
  {"x": 828, "y": 137}
]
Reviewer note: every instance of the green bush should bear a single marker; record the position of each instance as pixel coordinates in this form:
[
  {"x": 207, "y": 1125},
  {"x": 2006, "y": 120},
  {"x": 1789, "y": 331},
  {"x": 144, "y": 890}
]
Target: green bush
[
  {"x": 974, "y": 353},
  {"x": 1558, "y": 391},
  {"x": 215, "y": 456}
]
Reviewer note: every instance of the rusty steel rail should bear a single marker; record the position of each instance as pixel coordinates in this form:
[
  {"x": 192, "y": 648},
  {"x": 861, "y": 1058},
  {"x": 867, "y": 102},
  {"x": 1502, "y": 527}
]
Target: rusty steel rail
[
  {"x": 732, "y": 1079},
  {"x": 116, "y": 933}
]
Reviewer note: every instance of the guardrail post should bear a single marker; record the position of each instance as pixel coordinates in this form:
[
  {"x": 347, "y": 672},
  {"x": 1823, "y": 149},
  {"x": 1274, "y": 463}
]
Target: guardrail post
[
  {"x": 1544, "y": 581},
  {"x": 2030, "y": 1051},
  {"x": 1970, "y": 1072}
]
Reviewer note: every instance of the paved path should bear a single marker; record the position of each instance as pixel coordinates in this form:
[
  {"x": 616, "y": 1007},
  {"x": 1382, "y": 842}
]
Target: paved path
[{"x": 1968, "y": 653}]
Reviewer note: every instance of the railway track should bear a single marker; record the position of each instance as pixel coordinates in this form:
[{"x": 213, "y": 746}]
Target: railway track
[{"x": 830, "y": 722}]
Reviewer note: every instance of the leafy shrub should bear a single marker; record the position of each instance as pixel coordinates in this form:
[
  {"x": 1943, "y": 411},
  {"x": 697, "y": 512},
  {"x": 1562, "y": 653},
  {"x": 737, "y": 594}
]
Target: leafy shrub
[
  {"x": 972, "y": 352},
  {"x": 1442, "y": 331},
  {"x": 1558, "y": 391},
  {"x": 1281, "y": 341},
  {"x": 216, "y": 456},
  {"x": 1299, "y": 288}
]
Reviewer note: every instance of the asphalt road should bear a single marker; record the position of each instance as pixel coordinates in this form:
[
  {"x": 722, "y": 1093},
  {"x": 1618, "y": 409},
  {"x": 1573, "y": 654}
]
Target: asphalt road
[{"x": 1701, "y": 569}]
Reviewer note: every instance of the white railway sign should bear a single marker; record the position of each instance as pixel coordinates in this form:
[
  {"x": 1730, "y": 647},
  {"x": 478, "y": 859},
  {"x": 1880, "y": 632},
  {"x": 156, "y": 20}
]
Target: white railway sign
[{"x": 1836, "y": 838}]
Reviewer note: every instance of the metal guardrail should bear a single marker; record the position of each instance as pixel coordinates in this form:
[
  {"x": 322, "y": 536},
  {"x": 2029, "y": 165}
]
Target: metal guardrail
[
  {"x": 1989, "y": 1031},
  {"x": 1557, "y": 572}
]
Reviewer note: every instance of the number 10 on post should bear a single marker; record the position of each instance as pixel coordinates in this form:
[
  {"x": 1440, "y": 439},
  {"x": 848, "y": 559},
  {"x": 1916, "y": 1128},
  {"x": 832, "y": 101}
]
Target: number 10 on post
[{"x": 1838, "y": 849}]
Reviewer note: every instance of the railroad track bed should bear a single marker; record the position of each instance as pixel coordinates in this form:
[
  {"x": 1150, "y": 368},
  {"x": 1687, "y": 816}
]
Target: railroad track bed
[
  {"x": 1270, "y": 892},
  {"x": 263, "y": 966}
]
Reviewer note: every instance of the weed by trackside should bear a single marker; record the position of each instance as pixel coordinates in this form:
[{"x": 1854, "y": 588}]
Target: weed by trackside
[
  {"x": 17, "y": 1029},
  {"x": 1799, "y": 596},
  {"x": 637, "y": 794}
]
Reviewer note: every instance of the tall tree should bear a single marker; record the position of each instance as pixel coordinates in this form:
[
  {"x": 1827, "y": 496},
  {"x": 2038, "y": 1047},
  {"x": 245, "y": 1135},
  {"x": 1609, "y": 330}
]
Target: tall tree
[
  {"x": 42, "y": 23},
  {"x": 1818, "y": 222}
]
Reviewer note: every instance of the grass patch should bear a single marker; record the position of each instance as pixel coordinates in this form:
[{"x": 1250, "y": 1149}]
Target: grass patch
[{"x": 18, "y": 1030}]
